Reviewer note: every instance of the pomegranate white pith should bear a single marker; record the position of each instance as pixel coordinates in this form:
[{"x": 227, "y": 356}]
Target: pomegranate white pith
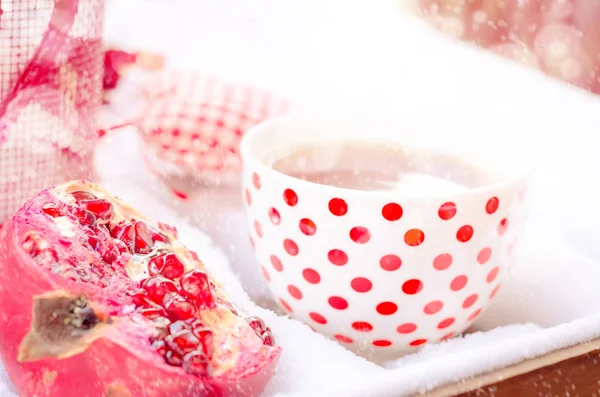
[{"x": 119, "y": 283}]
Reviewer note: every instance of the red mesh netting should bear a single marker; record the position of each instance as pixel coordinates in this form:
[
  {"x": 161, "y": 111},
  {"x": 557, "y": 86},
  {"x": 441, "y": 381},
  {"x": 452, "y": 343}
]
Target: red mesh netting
[{"x": 50, "y": 87}]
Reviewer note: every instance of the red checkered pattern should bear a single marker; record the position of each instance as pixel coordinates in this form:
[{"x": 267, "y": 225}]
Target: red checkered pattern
[
  {"x": 50, "y": 88},
  {"x": 194, "y": 123}
]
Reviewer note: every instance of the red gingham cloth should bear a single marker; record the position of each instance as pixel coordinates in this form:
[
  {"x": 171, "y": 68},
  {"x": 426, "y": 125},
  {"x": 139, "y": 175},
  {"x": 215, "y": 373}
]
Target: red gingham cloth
[{"x": 194, "y": 122}]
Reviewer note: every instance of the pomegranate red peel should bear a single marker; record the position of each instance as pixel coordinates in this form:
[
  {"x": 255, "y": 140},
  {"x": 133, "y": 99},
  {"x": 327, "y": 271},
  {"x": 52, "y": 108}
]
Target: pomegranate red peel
[{"x": 85, "y": 322}]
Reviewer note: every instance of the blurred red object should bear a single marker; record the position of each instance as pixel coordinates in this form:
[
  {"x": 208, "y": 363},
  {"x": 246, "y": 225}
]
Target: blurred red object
[
  {"x": 193, "y": 125},
  {"x": 560, "y": 37},
  {"x": 50, "y": 88},
  {"x": 116, "y": 63}
]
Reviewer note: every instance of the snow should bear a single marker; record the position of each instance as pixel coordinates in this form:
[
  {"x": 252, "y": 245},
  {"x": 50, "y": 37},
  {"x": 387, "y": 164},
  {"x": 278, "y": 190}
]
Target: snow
[{"x": 349, "y": 59}]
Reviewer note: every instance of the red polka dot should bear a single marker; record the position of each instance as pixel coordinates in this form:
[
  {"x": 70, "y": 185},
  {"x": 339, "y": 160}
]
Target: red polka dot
[
  {"x": 361, "y": 284},
  {"x": 294, "y": 292},
  {"x": 447, "y": 211},
  {"x": 442, "y": 262},
  {"x": 290, "y": 197},
  {"x": 484, "y": 255},
  {"x": 337, "y": 302},
  {"x": 274, "y": 216},
  {"x": 337, "y": 257},
  {"x": 412, "y": 287},
  {"x": 343, "y": 338},
  {"x": 447, "y": 336},
  {"x": 317, "y": 318},
  {"x": 470, "y": 301},
  {"x": 494, "y": 292},
  {"x": 464, "y": 234},
  {"x": 387, "y": 308},
  {"x": 276, "y": 262},
  {"x": 446, "y": 323},
  {"x": 414, "y": 237},
  {"x": 475, "y": 314},
  {"x": 290, "y": 247},
  {"x": 492, "y": 205},
  {"x": 433, "y": 307},
  {"x": 338, "y": 207},
  {"x": 285, "y": 305},
  {"x": 265, "y": 273},
  {"x": 256, "y": 181},
  {"x": 362, "y": 326},
  {"x": 311, "y": 275},
  {"x": 252, "y": 243},
  {"x": 258, "y": 229},
  {"x": 382, "y": 343},
  {"x": 392, "y": 212},
  {"x": 248, "y": 197},
  {"x": 492, "y": 274},
  {"x": 406, "y": 328},
  {"x": 390, "y": 262},
  {"x": 459, "y": 282},
  {"x": 308, "y": 227},
  {"x": 502, "y": 226},
  {"x": 418, "y": 342},
  {"x": 360, "y": 234}
]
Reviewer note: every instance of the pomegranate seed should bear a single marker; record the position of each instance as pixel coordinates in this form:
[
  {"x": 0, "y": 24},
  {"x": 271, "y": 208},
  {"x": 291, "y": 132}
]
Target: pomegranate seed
[
  {"x": 52, "y": 209},
  {"x": 167, "y": 265},
  {"x": 110, "y": 256},
  {"x": 81, "y": 195},
  {"x": 197, "y": 364},
  {"x": 143, "y": 239},
  {"x": 121, "y": 247},
  {"x": 196, "y": 285},
  {"x": 160, "y": 346},
  {"x": 108, "y": 251},
  {"x": 86, "y": 218},
  {"x": 172, "y": 230},
  {"x": 173, "y": 358},
  {"x": 138, "y": 297},
  {"x": 152, "y": 313},
  {"x": 125, "y": 234},
  {"x": 101, "y": 208},
  {"x": 158, "y": 235},
  {"x": 92, "y": 238},
  {"x": 268, "y": 338},
  {"x": 205, "y": 335},
  {"x": 182, "y": 342},
  {"x": 115, "y": 229},
  {"x": 257, "y": 324},
  {"x": 157, "y": 287},
  {"x": 178, "y": 308},
  {"x": 177, "y": 326},
  {"x": 34, "y": 244}
]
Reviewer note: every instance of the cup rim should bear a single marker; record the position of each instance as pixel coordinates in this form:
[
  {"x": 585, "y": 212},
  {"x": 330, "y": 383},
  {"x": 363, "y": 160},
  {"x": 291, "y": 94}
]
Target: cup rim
[{"x": 247, "y": 156}]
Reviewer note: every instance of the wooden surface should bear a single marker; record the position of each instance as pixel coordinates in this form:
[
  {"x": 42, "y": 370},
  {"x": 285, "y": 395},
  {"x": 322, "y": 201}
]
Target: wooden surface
[{"x": 571, "y": 372}]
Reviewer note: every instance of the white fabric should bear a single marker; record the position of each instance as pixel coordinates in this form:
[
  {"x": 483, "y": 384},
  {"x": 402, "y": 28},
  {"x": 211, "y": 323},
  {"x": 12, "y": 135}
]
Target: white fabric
[{"x": 349, "y": 58}]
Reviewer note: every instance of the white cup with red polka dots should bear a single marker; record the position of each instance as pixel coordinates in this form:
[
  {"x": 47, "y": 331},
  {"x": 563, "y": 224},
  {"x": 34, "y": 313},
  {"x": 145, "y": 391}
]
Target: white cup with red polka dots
[{"x": 384, "y": 271}]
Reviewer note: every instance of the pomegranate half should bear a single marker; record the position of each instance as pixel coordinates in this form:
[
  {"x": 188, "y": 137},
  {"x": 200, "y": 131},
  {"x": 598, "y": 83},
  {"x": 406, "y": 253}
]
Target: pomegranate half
[{"x": 98, "y": 300}]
